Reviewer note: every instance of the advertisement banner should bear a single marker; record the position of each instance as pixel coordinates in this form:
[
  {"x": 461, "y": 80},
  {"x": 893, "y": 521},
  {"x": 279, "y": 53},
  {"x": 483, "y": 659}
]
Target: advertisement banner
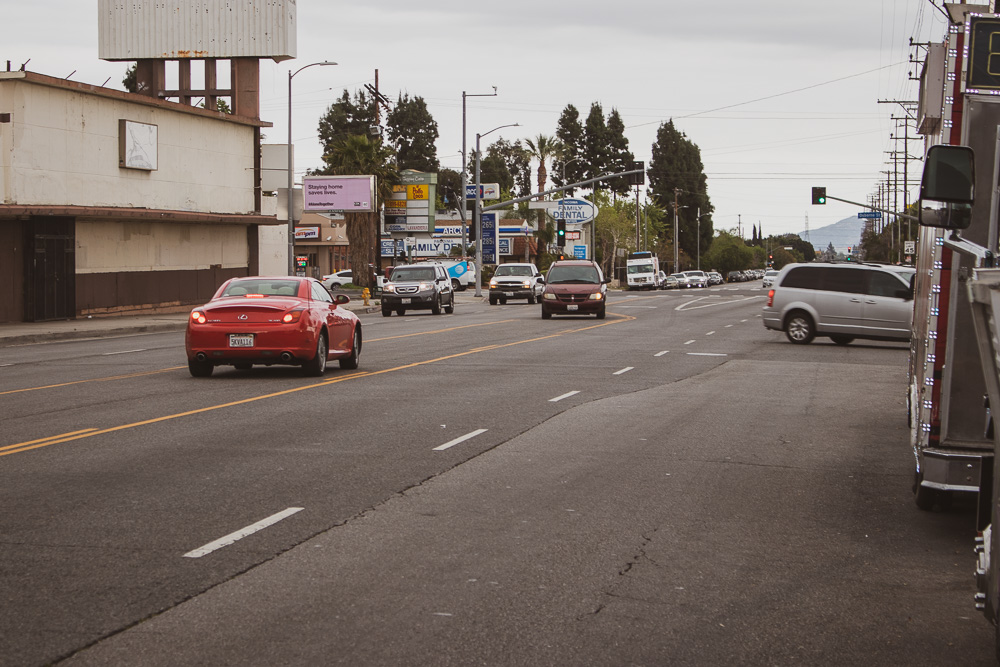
[{"x": 338, "y": 193}]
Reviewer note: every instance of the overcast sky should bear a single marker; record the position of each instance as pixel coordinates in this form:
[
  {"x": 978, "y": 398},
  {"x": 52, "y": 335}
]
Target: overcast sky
[{"x": 779, "y": 95}]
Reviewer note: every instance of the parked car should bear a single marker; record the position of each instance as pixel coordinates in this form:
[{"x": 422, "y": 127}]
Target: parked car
[
  {"x": 337, "y": 280},
  {"x": 661, "y": 280},
  {"x": 418, "y": 287},
  {"x": 284, "y": 320},
  {"x": 696, "y": 278},
  {"x": 516, "y": 281},
  {"x": 670, "y": 282},
  {"x": 769, "y": 277},
  {"x": 575, "y": 287},
  {"x": 715, "y": 278},
  {"x": 842, "y": 301},
  {"x": 735, "y": 277},
  {"x": 681, "y": 278}
]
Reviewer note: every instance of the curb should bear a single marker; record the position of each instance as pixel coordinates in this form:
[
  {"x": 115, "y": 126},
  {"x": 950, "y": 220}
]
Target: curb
[{"x": 79, "y": 334}]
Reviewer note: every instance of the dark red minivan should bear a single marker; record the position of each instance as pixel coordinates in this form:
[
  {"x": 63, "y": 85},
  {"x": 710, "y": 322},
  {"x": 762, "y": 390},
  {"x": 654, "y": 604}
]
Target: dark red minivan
[{"x": 575, "y": 287}]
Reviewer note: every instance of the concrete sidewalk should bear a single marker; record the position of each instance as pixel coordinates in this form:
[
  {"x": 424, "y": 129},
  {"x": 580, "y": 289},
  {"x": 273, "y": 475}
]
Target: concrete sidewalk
[{"x": 26, "y": 333}]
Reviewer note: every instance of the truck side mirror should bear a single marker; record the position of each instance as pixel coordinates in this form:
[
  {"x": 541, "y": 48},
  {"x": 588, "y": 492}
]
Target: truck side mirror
[{"x": 948, "y": 187}]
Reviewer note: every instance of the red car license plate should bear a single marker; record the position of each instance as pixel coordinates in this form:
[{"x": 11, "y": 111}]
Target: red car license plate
[{"x": 240, "y": 340}]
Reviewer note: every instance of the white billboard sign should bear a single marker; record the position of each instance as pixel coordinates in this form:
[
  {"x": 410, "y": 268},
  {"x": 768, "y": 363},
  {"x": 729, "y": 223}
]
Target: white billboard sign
[
  {"x": 574, "y": 210},
  {"x": 338, "y": 193}
]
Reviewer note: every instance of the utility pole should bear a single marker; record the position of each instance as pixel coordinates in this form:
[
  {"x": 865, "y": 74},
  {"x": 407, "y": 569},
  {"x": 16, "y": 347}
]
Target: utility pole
[
  {"x": 677, "y": 192},
  {"x": 379, "y": 100},
  {"x": 463, "y": 200}
]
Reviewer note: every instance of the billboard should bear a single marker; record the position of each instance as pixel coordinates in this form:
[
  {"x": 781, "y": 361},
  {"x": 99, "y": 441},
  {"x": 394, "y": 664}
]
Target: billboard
[{"x": 338, "y": 193}]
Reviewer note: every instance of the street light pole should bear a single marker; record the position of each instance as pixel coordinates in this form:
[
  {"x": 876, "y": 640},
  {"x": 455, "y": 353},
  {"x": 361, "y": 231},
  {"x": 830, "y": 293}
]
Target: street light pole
[
  {"x": 465, "y": 177},
  {"x": 291, "y": 170},
  {"x": 477, "y": 216}
]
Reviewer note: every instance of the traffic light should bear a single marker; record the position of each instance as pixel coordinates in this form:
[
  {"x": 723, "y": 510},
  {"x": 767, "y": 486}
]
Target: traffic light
[
  {"x": 637, "y": 179},
  {"x": 819, "y": 195},
  {"x": 561, "y": 234}
]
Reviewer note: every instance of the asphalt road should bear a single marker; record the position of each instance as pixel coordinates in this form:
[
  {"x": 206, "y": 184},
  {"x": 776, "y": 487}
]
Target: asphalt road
[{"x": 672, "y": 485}]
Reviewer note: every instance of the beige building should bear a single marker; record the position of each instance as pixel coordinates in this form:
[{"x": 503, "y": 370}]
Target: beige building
[{"x": 113, "y": 202}]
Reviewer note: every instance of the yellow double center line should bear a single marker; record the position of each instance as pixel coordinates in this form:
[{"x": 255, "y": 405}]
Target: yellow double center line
[{"x": 91, "y": 432}]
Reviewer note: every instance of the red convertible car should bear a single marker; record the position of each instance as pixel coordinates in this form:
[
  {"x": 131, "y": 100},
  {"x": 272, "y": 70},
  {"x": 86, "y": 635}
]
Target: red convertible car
[{"x": 284, "y": 320}]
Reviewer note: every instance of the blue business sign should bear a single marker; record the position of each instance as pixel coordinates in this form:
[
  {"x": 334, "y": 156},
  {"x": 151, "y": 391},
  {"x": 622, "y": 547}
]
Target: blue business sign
[
  {"x": 580, "y": 252},
  {"x": 489, "y": 230}
]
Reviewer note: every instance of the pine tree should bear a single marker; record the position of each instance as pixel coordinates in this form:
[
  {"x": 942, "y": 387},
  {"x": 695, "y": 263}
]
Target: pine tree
[
  {"x": 676, "y": 174},
  {"x": 596, "y": 144},
  {"x": 619, "y": 156},
  {"x": 570, "y": 161}
]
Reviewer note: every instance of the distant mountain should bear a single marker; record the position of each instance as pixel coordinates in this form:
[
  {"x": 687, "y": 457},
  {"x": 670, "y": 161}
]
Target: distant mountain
[{"x": 841, "y": 234}]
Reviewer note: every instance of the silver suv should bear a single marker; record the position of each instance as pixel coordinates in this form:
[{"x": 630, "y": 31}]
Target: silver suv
[
  {"x": 842, "y": 301},
  {"x": 418, "y": 286},
  {"x": 516, "y": 281}
]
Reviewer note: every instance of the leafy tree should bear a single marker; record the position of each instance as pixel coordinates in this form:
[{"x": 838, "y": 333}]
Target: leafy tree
[
  {"x": 780, "y": 257},
  {"x": 360, "y": 154},
  {"x": 449, "y": 190},
  {"x": 676, "y": 174},
  {"x": 802, "y": 248},
  {"x": 619, "y": 156},
  {"x": 615, "y": 229},
  {"x": 571, "y": 137},
  {"x": 728, "y": 253},
  {"x": 493, "y": 169},
  {"x": 518, "y": 163},
  {"x": 345, "y": 118},
  {"x": 131, "y": 80},
  {"x": 412, "y": 132}
]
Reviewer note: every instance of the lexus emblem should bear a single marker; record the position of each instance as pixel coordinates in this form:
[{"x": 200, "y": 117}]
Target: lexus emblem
[{"x": 242, "y": 317}]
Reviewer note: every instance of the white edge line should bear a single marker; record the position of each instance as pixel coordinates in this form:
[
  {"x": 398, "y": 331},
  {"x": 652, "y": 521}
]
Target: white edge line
[
  {"x": 462, "y": 439},
  {"x": 566, "y": 395},
  {"x": 243, "y": 532},
  {"x": 624, "y": 370},
  {"x": 706, "y": 354},
  {"x": 108, "y": 354}
]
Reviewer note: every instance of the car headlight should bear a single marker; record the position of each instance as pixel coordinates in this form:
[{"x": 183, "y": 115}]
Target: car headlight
[
  {"x": 596, "y": 296},
  {"x": 526, "y": 284},
  {"x": 493, "y": 283},
  {"x": 549, "y": 295},
  {"x": 389, "y": 287},
  {"x": 424, "y": 287}
]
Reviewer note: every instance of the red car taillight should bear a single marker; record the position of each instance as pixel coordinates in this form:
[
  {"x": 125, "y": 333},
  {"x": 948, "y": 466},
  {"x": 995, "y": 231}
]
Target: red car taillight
[
  {"x": 292, "y": 316},
  {"x": 198, "y": 317},
  {"x": 770, "y": 298}
]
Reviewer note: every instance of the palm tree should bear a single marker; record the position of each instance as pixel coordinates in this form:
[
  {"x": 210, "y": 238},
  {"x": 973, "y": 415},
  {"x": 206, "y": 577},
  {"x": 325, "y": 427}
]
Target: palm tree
[
  {"x": 542, "y": 148},
  {"x": 357, "y": 154}
]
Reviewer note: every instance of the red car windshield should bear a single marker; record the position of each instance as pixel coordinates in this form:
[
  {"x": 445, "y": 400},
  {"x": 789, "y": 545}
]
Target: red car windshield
[
  {"x": 262, "y": 287},
  {"x": 574, "y": 274}
]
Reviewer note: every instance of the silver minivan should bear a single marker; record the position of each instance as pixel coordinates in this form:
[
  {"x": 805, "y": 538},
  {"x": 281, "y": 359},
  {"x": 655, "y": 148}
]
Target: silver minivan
[{"x": 841, "y": 301}]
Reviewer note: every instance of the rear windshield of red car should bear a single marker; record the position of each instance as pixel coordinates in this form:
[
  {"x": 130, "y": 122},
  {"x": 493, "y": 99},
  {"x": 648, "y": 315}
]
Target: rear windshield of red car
[{"x": 264, "y": 287}]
